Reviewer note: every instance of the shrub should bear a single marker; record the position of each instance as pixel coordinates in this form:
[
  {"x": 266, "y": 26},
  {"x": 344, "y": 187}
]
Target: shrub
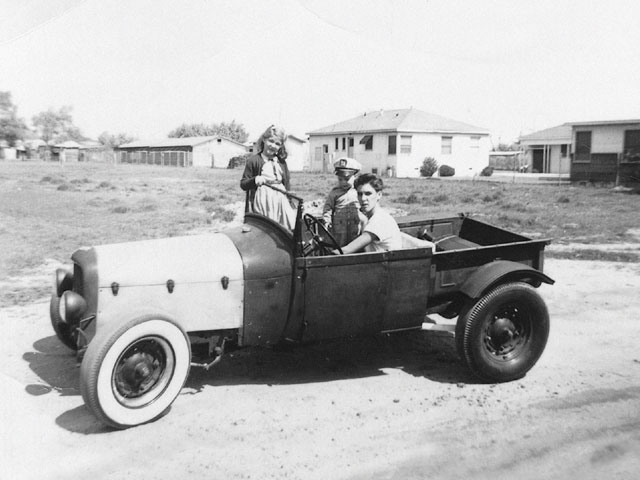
[
  {"x": 443, "y": 197},
  {"x": 486, "y": 171},
  {"x": 411, "y": 198},
  {"x": 447, "y": 171},
  {"x": 238, "y": 161},
  {"x": 563, "y": 199},
  {"x": 429, "y": 167}
]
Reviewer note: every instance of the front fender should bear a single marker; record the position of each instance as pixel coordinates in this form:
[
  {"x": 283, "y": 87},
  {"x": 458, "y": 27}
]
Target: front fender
[{"x": 501, "y": 271}]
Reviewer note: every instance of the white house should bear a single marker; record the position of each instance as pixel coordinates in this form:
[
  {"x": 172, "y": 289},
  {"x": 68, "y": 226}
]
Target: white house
[
  {"x": 396, "y": 142},
  {"x": 547, "y": 151},
  {"x": 211, "y": 151}
]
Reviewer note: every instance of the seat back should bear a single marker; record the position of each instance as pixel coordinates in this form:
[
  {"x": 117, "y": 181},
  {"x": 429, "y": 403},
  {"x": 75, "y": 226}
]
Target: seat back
[{"x": 412, "y": 242}]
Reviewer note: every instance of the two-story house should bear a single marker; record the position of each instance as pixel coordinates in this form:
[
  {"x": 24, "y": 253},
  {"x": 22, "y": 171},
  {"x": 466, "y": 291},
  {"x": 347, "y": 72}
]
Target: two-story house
[{"x": 396, "y": 142}]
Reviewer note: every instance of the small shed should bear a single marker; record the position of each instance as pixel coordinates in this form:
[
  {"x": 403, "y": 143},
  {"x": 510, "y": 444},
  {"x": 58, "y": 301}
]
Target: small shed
[
  {"x": 209, "y": 151},
  {"x": 66, "y": 151}
]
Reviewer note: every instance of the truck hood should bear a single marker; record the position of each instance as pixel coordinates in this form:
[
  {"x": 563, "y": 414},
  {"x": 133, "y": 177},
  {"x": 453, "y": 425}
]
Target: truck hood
[{"x": 184, "y": 260}]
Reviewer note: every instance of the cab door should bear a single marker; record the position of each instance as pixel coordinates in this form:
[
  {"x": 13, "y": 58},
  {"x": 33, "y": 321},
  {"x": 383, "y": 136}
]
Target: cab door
[
  {"x": 361, "y": 294},
  {"x": 343, "y": 295}
]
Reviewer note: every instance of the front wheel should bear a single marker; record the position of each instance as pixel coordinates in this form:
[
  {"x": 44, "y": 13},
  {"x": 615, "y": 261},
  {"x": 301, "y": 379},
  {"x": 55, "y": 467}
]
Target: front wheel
[
  {"x": 131, "y": 374},
  {"x": 503, "y": 334}
]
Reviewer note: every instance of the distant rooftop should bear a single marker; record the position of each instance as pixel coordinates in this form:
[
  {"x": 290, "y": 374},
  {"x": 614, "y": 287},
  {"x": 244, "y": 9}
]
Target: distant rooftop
[
  {"x": 605, "y": 122},
  {"x": 557, "y": 133},
  {"x": 174, "y": 142},
  {"x": 402, "y": 120}
]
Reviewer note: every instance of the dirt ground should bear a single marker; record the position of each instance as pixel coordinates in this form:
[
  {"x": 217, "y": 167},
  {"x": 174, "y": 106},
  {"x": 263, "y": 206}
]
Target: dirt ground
[{"x": 386, "y": 408}]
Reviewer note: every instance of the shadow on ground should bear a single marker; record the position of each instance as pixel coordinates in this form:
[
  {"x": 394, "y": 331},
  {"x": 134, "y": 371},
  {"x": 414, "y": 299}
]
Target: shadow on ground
[{"x": 426, "y": 354}]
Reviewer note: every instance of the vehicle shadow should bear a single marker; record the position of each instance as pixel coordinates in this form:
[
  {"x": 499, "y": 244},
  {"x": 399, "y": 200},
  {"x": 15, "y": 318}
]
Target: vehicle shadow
[
  {"x": 55, "y": 364},
  {"x": 58, "y": 368},
  {"x": 425, "y": 354}
]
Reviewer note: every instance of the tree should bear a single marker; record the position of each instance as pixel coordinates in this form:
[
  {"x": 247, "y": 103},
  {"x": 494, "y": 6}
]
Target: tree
[
  {"x": 234, "y": 131},
  {"x": 12, "y": 128},
  {"x": 429, "y": 167},
  {"x": 57, "y": 125},
  {"x": 507, "y": 147},
  {"x": 192, "y": 130},
  {"x": 112, "y": 141}
]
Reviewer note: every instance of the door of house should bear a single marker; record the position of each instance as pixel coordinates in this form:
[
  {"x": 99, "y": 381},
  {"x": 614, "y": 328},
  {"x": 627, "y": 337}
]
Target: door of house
[{"x": 538, "y": 161}]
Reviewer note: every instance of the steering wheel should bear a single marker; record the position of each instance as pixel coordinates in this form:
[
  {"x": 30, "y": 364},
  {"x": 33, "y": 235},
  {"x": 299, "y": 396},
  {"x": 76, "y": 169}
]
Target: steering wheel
[{"x": 320, "y": 236}]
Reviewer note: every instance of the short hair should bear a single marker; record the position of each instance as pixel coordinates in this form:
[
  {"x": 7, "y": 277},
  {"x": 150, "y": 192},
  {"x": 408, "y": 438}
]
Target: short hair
[
  {"x": 278, "y": 132},
  {"x": 371, "y": 178}
]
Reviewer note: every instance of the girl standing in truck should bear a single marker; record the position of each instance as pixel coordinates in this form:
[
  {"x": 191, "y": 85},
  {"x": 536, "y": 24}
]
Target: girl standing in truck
[{"x": 266, "y": 178}]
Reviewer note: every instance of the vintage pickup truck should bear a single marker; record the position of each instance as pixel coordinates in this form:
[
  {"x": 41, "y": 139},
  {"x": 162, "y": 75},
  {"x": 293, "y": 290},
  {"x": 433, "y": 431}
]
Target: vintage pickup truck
[{"x": 136, "y": 312}]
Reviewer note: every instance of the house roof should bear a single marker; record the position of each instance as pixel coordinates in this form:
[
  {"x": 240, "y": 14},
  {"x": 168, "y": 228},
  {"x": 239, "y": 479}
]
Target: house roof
[
  {"x": 553, "y": 134},
  {"x": 296, "y": 137},
  {"x": 402, "y": 120},
  {"x": 68, "y": 144},
  {"x": 605, "y": 122},
  {"x": 176, "y": 142}
]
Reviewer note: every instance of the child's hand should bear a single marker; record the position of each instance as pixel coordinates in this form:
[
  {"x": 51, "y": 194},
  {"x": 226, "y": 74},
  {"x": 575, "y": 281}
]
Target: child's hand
[{"x": 260, "y": 180}]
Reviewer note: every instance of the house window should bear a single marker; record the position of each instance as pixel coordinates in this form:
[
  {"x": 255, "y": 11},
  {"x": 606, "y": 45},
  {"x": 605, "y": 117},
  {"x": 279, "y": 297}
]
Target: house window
[
  {"x": 405, "y": 143},
  {"x": 336, "y": 143},
  {"x": 344, "y": 143},
  {"x": 563, "y": 150},
  {"x": 374, "y": 171},
  {"x": 583, "y": 147},
  {"x": 325, "y": 148},
  {"x": 367, "y": 141},
  {"x": 446, "y": 145},
  {"x": 631, "y": 152},
  {"x": 351, "y": 141},
  {"x": 392, "y": 144},
  {"x": 475, "y": 142}
]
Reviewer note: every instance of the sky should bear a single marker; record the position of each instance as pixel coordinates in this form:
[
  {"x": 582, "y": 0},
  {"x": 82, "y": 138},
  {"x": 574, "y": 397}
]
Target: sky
[{"x": 144, "y": 67}]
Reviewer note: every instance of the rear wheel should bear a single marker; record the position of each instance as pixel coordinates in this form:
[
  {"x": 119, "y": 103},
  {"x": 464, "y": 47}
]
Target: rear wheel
[
  {"x": 503, "y": 334},
  {"x": 131, "y": 374}
]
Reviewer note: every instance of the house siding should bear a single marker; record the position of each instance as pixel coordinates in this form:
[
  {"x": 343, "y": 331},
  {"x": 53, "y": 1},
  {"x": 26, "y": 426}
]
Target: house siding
[{"x": 606, "y": 161}]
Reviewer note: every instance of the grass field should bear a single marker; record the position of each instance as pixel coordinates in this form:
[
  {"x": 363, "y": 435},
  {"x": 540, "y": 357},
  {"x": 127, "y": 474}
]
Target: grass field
[{"x": 48, "y": 210}]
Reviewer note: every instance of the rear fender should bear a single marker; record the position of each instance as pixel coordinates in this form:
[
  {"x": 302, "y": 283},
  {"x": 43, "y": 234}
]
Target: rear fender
[{"x": 501, "y": 271}]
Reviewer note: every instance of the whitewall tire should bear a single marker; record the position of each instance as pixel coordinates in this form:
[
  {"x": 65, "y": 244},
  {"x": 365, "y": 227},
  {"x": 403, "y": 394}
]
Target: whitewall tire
[{"x": 131, "y": 374}]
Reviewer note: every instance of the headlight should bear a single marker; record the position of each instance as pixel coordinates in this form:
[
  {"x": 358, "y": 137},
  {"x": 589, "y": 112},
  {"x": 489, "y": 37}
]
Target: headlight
[
  {"x": 64, "y": 280},
  {"x": 72, "y": 307}
]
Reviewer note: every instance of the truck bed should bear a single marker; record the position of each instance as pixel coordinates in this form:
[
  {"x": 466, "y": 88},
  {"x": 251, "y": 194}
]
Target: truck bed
[{"x": 463, "y": 244}]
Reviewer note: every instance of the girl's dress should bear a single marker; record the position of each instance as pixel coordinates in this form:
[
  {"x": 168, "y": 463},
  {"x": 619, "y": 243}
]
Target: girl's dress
[{"x": 269, "y": 201}]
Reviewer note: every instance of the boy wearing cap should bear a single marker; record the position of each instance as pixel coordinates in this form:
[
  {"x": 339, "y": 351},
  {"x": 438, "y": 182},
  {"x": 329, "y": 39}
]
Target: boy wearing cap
[{"x": 341, "y": 210}]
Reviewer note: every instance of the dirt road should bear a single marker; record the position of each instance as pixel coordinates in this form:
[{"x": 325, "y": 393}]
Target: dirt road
[{"x": 391, "y": 408}]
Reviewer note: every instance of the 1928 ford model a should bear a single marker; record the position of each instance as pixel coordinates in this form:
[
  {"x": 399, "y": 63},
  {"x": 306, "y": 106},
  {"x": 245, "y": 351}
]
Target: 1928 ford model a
[{"x": 133, "y": 311}]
